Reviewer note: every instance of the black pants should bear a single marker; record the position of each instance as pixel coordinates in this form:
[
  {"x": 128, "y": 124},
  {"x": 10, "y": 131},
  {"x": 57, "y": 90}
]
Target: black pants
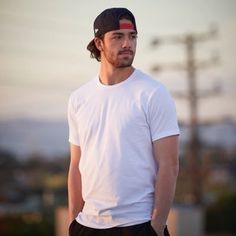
[{"x": 144, "y": 229}]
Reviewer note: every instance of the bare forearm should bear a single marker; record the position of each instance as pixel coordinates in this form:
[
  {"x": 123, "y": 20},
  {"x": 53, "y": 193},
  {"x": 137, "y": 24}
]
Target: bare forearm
[
  {"x": 75, "y": 200},
  {"x": 164, "y": 194},
  {"x": 166, "y": 155}
]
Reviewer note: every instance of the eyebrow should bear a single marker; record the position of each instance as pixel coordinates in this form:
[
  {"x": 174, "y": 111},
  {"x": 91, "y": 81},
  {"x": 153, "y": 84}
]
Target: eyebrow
[{"x": 121, "y": 33}]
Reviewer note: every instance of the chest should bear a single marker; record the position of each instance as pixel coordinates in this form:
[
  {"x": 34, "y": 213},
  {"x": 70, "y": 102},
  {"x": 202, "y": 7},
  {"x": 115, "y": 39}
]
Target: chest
[{"x": 118, "y": 114}]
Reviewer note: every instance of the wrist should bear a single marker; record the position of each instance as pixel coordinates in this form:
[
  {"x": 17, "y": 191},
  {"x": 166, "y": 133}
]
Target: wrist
[
  {"x": 156, "y": 222},
  {"x": 158, "y": 225},
  {"x": 159, "y": 229}
]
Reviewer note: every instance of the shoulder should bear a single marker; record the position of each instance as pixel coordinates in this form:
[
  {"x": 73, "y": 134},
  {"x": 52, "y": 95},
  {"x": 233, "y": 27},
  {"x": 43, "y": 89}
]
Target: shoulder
[
  {"x": 148, "y": 83},
  {"x": 83, "y": 89},
  {"x": 78, "y": 96}
]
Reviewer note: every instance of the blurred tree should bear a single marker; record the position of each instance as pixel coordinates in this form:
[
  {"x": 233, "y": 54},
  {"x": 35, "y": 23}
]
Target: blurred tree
[
  {"x": 26, "y": 225},
  {"x": 221, "y": 215}
]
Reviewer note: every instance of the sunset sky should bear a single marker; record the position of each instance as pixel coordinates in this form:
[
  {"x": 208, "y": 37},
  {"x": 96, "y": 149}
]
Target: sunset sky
[{"x": 43, "y": 55}]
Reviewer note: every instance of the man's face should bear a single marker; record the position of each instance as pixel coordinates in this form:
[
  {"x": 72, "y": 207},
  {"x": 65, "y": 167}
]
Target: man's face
[{"x": 119, "y": 46}]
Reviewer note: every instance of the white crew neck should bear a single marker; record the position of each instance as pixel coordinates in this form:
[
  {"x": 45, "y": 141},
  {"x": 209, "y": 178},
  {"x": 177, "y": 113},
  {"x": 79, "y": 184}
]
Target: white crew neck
[{"x": 130, "y": 78}]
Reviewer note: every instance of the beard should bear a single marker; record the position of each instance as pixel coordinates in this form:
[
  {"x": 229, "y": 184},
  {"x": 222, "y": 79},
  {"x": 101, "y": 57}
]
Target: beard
[{"x": 122, "y": 59}]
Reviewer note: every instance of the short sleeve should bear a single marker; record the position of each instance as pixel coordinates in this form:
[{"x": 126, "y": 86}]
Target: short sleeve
[
  {"x": 73, "y": 126},
  {"x": 161, "y": 115}
]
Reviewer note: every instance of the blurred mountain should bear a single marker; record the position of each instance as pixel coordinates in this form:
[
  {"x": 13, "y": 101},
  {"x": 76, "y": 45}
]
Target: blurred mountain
[
  {"x": 25, "y": 137},
  {"x": 220, "y": 133},
  {"x": 50, "y": 138}
]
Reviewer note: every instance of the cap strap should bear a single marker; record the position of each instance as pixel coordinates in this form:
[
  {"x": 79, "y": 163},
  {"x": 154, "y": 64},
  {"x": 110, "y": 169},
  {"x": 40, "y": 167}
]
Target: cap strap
[{"x": 126, "y": 26}]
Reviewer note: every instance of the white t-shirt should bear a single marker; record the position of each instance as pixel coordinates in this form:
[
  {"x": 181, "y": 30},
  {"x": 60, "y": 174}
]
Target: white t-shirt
[{"x": 114, "y": 127}]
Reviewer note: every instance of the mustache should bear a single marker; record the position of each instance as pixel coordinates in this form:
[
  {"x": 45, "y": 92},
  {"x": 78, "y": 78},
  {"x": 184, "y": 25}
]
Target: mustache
[{"x": 126, "y": 51}]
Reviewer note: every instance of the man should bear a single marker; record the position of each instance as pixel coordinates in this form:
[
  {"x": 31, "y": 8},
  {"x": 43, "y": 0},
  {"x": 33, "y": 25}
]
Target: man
[{"x": 124, "y": 141}]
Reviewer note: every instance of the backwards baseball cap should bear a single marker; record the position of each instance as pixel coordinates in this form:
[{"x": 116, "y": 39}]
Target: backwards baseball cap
[{"x": 109, "y": 20}]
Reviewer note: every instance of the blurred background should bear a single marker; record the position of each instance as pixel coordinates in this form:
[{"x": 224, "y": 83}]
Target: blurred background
[{"x": 188, "y": 46}]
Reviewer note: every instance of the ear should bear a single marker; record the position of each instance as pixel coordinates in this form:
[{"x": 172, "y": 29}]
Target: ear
[{"x": 98, "y": 43}]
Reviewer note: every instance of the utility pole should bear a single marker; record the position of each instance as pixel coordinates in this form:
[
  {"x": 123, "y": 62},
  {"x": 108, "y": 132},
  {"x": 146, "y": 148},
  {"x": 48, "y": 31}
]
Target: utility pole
[{"x": 191, "y": 66}]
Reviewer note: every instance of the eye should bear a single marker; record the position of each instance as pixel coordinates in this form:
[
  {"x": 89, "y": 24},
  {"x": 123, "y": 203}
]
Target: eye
[
  {"x": 117, "y": 36},
  {"x": 134, "y": 36}
]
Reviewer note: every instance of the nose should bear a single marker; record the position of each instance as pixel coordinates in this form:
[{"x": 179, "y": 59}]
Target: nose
[{"x": 126, "y": 43}]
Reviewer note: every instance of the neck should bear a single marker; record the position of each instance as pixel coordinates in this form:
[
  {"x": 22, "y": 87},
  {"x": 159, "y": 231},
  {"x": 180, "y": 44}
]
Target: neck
[{"x": 114, "y": 75}]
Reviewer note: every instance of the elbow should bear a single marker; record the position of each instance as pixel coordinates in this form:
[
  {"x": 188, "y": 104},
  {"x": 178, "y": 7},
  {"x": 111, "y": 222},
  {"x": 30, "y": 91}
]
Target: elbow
[
  {"x": 175, "y": 169},
  {"x": 171, "y": 169}
]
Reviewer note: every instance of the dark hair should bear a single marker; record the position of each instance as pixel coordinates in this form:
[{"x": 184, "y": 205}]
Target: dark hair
[{"x": 94, "y": 51}]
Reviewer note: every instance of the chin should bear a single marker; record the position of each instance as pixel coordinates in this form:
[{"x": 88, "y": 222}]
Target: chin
[{"x": 124, "y": 65}]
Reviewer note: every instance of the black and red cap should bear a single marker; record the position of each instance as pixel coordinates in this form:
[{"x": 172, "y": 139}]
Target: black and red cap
[{"x": 109, "y": 20}]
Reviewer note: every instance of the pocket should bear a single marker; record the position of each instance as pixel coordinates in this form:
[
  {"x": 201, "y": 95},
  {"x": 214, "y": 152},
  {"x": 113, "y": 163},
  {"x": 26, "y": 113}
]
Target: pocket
[
  {"x": 166, "y": 232},
  {"x": 75, "y": 228},
  {"x": 153, "y": 232},
  {"x": 71, "y": 227}
]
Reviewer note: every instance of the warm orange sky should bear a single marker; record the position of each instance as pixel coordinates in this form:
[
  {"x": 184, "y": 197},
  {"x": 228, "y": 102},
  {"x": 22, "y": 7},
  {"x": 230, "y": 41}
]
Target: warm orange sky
[{"x": 43, "y": 56}]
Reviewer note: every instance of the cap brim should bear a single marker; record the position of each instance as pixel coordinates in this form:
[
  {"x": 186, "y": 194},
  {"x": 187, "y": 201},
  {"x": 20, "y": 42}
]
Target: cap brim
[{"x": 91, "y": 45}]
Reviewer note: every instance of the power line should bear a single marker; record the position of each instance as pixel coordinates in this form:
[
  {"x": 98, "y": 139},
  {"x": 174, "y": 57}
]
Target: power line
[{"x": 191, "y": 66}]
